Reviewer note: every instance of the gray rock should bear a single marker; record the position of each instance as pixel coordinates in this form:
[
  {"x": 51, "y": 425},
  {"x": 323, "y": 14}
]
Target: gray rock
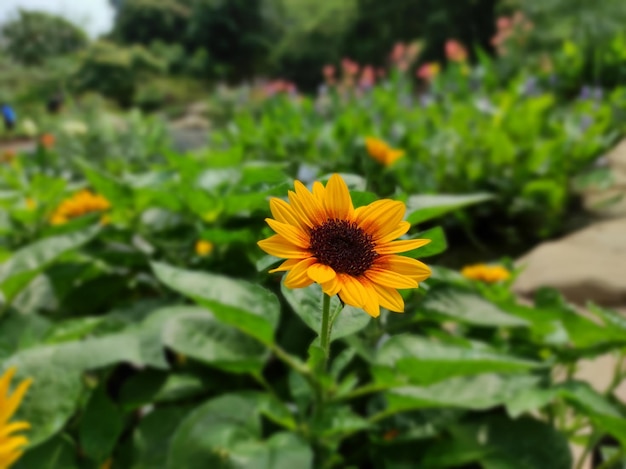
[{"x": 588, "y": 265}]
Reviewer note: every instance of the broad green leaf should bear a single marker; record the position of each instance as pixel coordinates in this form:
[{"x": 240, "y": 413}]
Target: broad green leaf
[
  {"x": 470, "y": 308},
  {"x": 421, "y": 208},
  {"x": 307, "y": 303},
  {"x": 234, "y": 438},
  {"x": 423, "y": 361},
  {"x": 337, "y": 421},
  {"x": 153, "y": 435},
  {"x": 100, "y": 426},
  {"x": 248, "y": 307},
  {"x": 58, "y": 452},
  {"x": 26, "y": 263},
  {"x": 437, "y": 245},
  {"x": 115, "y": 191},
  {"x": 478, "y": 392},
  {"x": 199, "y": 335},
  {"x": 21, "y": 331}
]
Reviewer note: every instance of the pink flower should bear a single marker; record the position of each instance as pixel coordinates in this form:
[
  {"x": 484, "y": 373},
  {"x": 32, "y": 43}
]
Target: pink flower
[
  {"x": 368, "y": 77},
  {"x": 428, "y": 71},
  {"x": 328, "y": 71},
  {"x": 349, "y": 66},
  {"x": 455, "y": 51},
  {"x": 398, "y": 52}
]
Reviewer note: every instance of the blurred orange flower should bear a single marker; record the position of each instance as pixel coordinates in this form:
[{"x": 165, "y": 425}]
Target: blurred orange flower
[
  {"x": 79, "y": 204},
  {"x": 47, "y": 141},
  {"x": 382, "y": 152},
  {"x": 485, "y": 273}
]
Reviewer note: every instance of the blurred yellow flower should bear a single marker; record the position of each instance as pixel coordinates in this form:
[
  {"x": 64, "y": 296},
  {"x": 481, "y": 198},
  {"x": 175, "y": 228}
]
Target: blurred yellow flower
[
  {"x": 29, "y": 128},
  {"x": 79, "y": 204},
  {"x": 11, "y": 444},
  {"x": 204, "y": 248},
  {"x": 485, "y": 273},
  {"x": 107, "y": 464},
  {"x": 31, "y": 204},
  {"x": 350, "y": 252},
  {"x": 7, "y": 156},
  {"x": 382, "y": 152}
]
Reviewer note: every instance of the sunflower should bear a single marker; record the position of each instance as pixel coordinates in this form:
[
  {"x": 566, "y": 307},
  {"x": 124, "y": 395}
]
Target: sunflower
[
  {"x": 382, "y": 152},
  {"x": 11, "y": 444},
  {"x": 79, "y": 204},
  {"x": 350, "y": 252},
  {"x": 485, "y": 273}
]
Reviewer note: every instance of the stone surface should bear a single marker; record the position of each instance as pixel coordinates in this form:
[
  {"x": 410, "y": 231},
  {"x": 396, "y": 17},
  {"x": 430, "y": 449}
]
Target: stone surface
[
  {"x": 609, "y": 201},
  {"x": 588, "y": 265}
]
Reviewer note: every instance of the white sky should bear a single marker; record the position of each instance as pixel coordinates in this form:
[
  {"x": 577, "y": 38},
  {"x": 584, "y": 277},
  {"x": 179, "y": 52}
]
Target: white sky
[{"x": 94, "y": 16}]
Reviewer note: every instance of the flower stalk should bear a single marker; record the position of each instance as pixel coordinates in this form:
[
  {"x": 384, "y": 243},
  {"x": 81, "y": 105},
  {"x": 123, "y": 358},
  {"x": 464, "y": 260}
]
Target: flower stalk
[{"x": 325, "y": 328}]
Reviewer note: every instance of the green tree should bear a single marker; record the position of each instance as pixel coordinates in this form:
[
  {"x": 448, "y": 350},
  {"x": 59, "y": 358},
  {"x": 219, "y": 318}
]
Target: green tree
[
  {"x": 35, "y": 36},
  {"x": 144, "y": 21}
]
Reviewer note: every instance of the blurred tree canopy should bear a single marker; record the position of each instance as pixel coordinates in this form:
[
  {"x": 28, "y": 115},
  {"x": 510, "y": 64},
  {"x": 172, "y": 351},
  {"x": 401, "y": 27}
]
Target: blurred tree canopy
[{"x": 34, "y": 36}]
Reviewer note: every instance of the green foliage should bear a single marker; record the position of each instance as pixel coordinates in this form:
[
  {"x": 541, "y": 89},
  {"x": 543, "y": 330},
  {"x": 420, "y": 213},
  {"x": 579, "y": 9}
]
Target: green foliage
[
  {"x": 34, "y": 36},
  {"x": 145, "y": 21},
  {"x": 115, "y": 72}
]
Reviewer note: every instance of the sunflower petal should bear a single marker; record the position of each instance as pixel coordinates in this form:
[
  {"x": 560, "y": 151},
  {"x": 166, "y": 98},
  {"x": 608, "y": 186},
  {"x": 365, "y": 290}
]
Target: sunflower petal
[
  {"x": 284, "y": 213},
  {"x": 403, "y": 265},
  {"x": 278, "y": 246},
  {"x": 332, "y": 287},
  {"x": 389, "y": 298},
  {"x": 297, "y": 276},
  {"x": 13, "y": 427},
  {"x": 321, "y": 273},
  {"x": 337, "y": 201},
  {"x": 319, "y": 191},
  {"x": 291, "y": 233},
  {"x": 287, "y": 265},
  {"x": 372, "y": 303},
  {"x": 388, "y": 278},
  {"x": 401, "y": 229},
  {"x": 310, "y": 204},
  {"x": 352, "y": 292},
  {"x": 401, "y": 246},
  {"x": 14, "y": 401},
  {"x": 381, "y": 217}
]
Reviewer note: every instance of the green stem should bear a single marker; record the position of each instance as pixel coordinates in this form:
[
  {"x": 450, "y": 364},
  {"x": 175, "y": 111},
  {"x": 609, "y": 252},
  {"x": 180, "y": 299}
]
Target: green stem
[
  {"x": 612, "y": 461},
  {"x": 325, "y": 328}
]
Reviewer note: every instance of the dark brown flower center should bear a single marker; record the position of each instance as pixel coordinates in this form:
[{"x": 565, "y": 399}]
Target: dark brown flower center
[{"x": 344, "y": 246}]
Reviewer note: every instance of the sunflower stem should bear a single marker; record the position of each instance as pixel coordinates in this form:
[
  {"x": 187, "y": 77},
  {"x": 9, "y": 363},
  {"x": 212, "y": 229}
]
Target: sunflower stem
[{"x": 325, "y": 328}]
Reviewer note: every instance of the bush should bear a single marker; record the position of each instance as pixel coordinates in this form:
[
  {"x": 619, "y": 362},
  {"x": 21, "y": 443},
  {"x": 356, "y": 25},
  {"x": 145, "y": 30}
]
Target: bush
[
  {"x": 35, "y": 36},
  {"x": 114, "y": 71},
  {"x": 143, "y": 21}
]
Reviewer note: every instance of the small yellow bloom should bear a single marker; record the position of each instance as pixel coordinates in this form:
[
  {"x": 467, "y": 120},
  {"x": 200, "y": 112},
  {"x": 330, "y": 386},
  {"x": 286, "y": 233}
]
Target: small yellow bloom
[
  {"x": 349, "y": 252},
  {"x": 485, "y": 273},
  {"x": 11, "y": 442},
  {"x": 382, "y": 152},
  {"x": 204, "y": 248},
  {"x": 31, "y": 204},
  {"x": 107, "y": 464},
  {"x": 79, "y": 204}
]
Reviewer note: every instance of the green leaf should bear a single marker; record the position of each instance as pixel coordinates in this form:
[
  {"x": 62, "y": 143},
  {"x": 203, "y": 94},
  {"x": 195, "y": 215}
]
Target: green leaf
[
  {"x": 307, "y": 303},
  {"x": 421, "y": 208},
  {"x": 59, "y": 451},
  {"x": 153, "y": 436},
  {"x": 248, "y": 307},
  {"x": 199, "y": 335},
  {"x": 423, "y": 361},
  {"x": 470, "y": 308},
  {"x": 27, "y": 262},
  {"x": 337, "y": 421},
  {"x": 234, "y": 438},
  {"x": 115, "y": 191},
  {"x": 100, "y": 426},
  {"x": 437, "y": 245},
  {"x": 478, "y": 392}
]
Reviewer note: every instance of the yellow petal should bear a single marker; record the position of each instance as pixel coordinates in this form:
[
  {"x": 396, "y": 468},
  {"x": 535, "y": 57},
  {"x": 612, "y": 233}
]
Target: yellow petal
[
  {"x": 287, "y": 265},
  {"x": 381, "y": 217},
  {"x": 402, "y": 265},
  {"x": 388, "y": 278},
  {"x": 352, "y": 292},
  {"x": 401, "y": 229},
  {"x": 291, "y": 233},
  {"x": 278, "y": 246},
  {"x": 14, "y": 401},
  {"x": 389, "y": 298},
  {"x": 283, "y": 212},
  {"x": 319, "y": 191},
  {"x": 391, "y": 156},
  {"x": 297, "y": 276},
  {"x": 310, "y": 204},
  {"x": 321, "y": 273},
  {"x": 337, "y": 201},
  {"x": 13, "y": 428},
  {"x": 371, "y": 305},
  {"x": 333, "y": 286},
  {"x": 401, "y": 246}
]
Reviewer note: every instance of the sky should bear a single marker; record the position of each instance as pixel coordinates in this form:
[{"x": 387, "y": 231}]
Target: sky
[{"x": 94, "y": 16}]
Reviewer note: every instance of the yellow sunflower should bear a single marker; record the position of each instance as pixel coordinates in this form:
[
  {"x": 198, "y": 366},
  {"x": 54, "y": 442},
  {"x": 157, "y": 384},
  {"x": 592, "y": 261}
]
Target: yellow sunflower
[
  {"x": 485, "y": 273},
  {"x": 350, "y": 252},
  {"x": 11, "y": 444},
  {"x": 382, "y": 152}
]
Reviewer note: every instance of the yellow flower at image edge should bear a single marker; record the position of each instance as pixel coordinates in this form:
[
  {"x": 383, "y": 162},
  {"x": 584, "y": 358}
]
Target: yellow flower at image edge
[
  {"x": 349, "y": 252},
  {"x": 382, "y": 152},
  {"x": 485, "y": 273},
  {"x": 204, "y": 248},
  {"x": 79, "y": 204},
  {"x": 11, "y": 442}
]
